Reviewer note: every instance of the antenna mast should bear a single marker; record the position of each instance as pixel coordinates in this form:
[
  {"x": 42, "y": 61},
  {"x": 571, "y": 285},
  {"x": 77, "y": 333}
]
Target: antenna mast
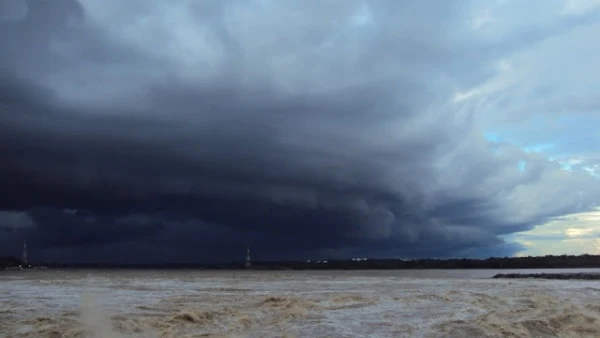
[
  {"x": 24, "y": 259},
  {"x": 248, "y": 260}
]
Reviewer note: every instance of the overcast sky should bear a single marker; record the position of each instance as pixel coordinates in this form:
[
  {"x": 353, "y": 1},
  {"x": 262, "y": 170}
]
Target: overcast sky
[{"x": 162, "y": 131}]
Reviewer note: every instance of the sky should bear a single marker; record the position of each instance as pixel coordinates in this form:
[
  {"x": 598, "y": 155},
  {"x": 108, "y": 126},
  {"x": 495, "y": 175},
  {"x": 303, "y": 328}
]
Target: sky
[{"x": 150, "y": 131}]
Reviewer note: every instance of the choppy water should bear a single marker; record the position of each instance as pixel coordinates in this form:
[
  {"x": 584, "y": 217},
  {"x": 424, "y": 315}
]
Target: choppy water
[{"x": 431, "y": 303}]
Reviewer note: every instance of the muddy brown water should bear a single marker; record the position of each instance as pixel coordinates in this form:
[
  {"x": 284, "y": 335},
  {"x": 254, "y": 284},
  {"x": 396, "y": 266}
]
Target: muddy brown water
[{"x": 186, "y": 303}]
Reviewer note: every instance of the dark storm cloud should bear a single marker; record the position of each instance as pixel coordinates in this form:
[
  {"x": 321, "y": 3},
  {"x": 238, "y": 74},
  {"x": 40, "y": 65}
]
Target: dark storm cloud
[
  {"x": 60, "y": 228},
  {"x": 297, "y": 137}
]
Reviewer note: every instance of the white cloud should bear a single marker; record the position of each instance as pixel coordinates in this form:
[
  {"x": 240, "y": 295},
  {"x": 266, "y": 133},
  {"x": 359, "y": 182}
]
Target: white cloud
[
  {"x": 579, "y": 7},
  {"x": 483, "y": 19},
  {"x": 505, "y": 78}
]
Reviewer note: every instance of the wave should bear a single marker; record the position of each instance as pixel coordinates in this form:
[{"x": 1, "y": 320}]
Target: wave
[{"x": 272, "y": 307}]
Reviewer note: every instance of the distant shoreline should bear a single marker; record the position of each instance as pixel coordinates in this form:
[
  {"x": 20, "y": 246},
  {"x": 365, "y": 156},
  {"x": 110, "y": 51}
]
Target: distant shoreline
[
  {"x": 562, "y": 276},
  {"x": 506, "y": 263}
]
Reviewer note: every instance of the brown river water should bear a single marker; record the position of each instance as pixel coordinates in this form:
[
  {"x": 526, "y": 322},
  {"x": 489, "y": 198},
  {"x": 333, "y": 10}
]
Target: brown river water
[{"x": 188, "y": 303}]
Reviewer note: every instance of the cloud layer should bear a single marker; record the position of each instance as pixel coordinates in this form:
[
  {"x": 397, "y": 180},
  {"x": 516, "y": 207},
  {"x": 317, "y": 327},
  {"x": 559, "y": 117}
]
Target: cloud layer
[{"x": 190, "y": 130}]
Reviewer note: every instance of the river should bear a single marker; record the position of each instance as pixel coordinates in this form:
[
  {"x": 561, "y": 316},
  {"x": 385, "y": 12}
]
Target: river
[{"x": 396, "y": 303}]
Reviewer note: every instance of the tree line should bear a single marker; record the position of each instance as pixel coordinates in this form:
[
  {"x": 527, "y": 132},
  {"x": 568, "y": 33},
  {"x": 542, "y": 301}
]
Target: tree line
[{"x": 538, "y": 262}]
